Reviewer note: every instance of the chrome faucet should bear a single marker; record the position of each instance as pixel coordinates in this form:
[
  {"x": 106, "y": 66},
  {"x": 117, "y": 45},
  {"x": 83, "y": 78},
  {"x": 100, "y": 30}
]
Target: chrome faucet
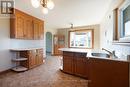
[{"x": 112, "y": 54}]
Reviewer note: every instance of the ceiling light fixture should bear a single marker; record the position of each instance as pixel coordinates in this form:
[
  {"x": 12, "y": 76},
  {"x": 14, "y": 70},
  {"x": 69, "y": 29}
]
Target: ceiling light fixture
[{"x": 46, "y": 4}]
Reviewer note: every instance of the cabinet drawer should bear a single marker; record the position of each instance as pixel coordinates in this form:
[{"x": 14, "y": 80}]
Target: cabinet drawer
[{"x": 68, "y": 53}]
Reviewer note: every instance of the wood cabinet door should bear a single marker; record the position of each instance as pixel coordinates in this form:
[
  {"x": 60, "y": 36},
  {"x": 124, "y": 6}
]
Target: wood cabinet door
[
  {"x": 36, "y": 28},
  {"x": 28, "y": 30},
  {"x": 68, "y": 64},
  {"x": 32, "y": 58},
  {"x": 24, "y": 26},
  {"x": 19, "y": 29},
  {"x": 108, "y": 73},
  {"x": 39, "y": 56},
  {"x": 41, "y": 30},
  {"x": 80, "y": 65},
  {"x": 40, "y": 52}
]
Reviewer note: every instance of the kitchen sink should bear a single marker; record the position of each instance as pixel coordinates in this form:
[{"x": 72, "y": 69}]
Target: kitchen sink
[{"x": 100, "y": 55}]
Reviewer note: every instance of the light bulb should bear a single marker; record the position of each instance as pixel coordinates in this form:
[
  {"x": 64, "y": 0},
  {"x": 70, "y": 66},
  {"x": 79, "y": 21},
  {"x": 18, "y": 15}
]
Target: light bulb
[
  {"x": 50, "y": 4},
  {"x": 35, "y": 3},
  {"x": 45, "y": 10}
]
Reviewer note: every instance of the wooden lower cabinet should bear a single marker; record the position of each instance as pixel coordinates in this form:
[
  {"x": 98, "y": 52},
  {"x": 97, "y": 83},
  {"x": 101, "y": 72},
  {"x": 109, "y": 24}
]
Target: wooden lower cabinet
[
  {"x": 32, "y": 58},
  {"x": 39, "y": 56},
  {"x": 80, "y": 65},
  {"x": 108, "y": 73},
  {"x": 68, "y": 65},
  {"x": 35, "y": 58},
  {"x": 74, "y": 63},
  {"x": 99, "y": 72}
]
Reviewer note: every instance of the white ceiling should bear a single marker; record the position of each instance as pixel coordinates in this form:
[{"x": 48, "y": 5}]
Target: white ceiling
[{"x": 78, "y": 12}]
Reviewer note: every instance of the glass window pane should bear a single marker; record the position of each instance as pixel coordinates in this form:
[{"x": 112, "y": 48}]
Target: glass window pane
[
  {"x": 127, "y": 28},
  {"x": 82, "y": 39}
]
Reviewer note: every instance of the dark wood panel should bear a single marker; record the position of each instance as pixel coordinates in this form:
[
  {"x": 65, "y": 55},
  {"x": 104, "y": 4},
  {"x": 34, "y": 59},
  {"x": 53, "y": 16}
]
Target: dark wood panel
[
  {"x": 68, "y": 65},
  {"x": 108, "y": 73},
  {"x": 65, "y": 53},
  {"x": 75, "y": 63}
]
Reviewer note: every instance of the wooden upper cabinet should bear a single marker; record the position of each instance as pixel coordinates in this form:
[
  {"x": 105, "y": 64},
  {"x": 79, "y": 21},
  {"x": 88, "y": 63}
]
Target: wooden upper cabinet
[
  {"x": 41, "y": 30},
  {"x": 38, "y": 28},
  {"x": 17, "y": 25},
  {"x": 24, "y": 26},
  {"x": 28, "y": 30}
]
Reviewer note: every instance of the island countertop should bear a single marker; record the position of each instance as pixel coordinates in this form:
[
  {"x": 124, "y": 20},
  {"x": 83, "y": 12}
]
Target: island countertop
[
  {"x": 89, "y": 51},
  {"x": 82, "y": 50}
]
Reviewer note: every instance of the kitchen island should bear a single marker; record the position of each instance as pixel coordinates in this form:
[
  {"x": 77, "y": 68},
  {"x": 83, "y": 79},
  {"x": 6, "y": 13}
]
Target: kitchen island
[{"x": 100, "y": 71}]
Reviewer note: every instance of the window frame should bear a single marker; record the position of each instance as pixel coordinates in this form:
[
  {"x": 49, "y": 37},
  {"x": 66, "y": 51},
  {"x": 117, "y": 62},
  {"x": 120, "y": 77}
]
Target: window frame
[
  {"x": 82, "y": 30},
  {"x": 123, "y": 37}
]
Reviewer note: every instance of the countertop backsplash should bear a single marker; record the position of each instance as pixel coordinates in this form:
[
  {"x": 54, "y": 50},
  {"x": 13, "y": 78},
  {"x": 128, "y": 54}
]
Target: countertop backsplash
[{"x": 15, "y": 44}]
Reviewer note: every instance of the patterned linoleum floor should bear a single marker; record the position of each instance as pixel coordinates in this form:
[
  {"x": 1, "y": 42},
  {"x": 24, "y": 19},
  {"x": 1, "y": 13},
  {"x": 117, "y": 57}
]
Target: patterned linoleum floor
[{"x": 46, "y": 75}]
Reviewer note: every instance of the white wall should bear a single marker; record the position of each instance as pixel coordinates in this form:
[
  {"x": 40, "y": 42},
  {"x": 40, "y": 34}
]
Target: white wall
[
  {"x": 6, "y": 44},
  {"x": 5, "y": 56},
  {"x": 107, "y": 26}
]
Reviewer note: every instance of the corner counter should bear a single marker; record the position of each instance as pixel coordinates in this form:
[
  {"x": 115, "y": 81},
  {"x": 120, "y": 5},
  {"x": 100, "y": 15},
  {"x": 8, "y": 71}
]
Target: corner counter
[
  {"x": 33, "y": 56},
  {"x": 24, "y": 49}
]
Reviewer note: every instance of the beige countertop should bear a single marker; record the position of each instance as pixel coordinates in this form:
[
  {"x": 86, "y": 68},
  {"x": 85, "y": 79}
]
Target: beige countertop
[
  {"x": 89, "y": 51},
  {"x": 74, "y": 50},
  {"x": 82, "y": 50},
  {"x": 114, "y": 59},
  {"x": 24, "y": 49}
]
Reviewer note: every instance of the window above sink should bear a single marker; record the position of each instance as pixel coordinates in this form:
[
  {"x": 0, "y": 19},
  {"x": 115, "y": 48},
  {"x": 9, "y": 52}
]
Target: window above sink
[{"x": 122, "y": 23}]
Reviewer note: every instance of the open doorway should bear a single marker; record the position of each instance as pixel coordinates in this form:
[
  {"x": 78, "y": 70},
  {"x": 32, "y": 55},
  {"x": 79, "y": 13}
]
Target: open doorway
[{"x": 48, "y": 43}]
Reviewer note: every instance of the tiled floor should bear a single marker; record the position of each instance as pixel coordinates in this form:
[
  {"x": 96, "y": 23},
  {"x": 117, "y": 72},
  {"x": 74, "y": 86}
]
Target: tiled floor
[{"x": 46, "y": 75}]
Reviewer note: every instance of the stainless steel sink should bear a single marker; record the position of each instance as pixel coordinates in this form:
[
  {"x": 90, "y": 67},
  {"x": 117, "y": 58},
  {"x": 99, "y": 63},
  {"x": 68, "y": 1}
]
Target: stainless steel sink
[{"x": 100, "y": 55}]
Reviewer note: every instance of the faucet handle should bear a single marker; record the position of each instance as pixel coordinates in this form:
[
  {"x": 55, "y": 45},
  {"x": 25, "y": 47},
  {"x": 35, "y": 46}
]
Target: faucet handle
[{"x": 114, "y": 54}]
